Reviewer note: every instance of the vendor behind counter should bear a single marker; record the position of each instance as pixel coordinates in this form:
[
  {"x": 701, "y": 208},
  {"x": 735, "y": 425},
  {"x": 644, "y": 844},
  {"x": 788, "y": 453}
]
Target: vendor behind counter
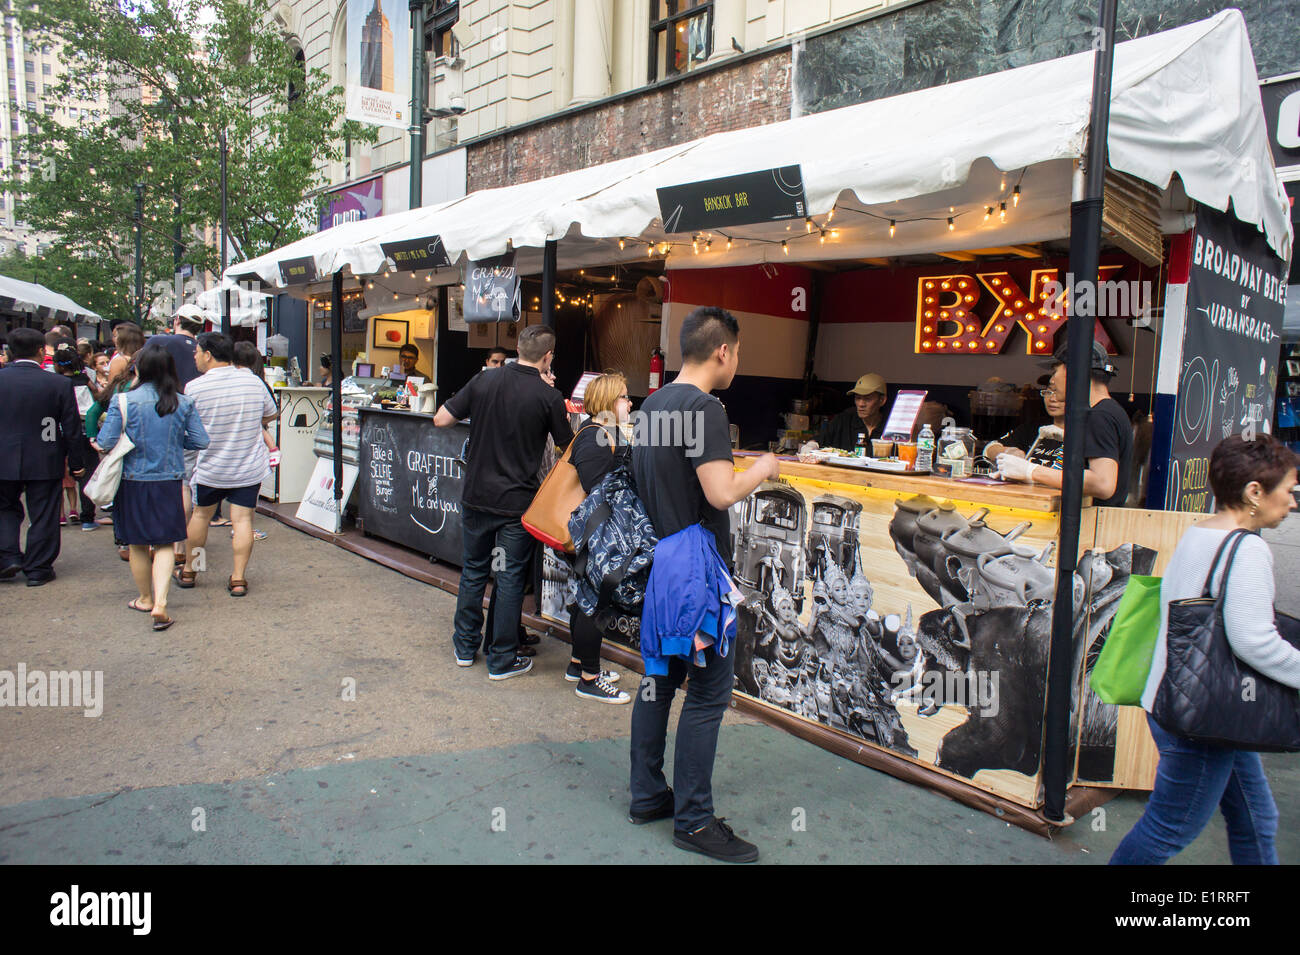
[{"x": 865, "y": 416}]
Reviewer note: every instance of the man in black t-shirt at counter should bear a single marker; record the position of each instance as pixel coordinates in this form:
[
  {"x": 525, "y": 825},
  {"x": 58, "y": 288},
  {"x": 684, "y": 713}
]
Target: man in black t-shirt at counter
[
  {"x": 1107, "y": 444},
  {"x": 511, "y": 411}
]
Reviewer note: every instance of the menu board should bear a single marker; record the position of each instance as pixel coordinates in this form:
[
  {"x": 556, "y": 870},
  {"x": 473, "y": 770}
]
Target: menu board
[
  {"x": 492, "y": 290},
  {"x": 902, "y": 417},
  {"x": 412, "y": 474}
]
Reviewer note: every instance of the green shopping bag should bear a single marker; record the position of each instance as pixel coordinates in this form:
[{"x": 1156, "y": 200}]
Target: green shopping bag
[{"x": 1120, "y": 674}]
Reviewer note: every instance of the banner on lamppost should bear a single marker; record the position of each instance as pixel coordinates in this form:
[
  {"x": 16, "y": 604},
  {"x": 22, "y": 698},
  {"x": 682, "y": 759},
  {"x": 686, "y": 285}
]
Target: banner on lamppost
[{"x": 378, "y": 86}]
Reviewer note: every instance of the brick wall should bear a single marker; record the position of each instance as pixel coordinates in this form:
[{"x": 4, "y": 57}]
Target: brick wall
[{"x": 751, "y": 93}]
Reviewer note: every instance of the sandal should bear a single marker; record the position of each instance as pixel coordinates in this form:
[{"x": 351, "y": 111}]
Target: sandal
[
  {"x": 135, "y": 605},
  {"x": 124, "y": 553},
  {"x": 163, "y": 624},
  {"x": 219, "y": 522},
  {"x": 233, "y": 585},
  {"x": 184, "y": 578},
  {"x": 180, "y": 560}
]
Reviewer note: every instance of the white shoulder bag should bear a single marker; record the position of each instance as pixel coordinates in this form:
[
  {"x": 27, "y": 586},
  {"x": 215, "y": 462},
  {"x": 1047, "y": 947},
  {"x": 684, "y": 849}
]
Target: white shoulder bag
[{"x": 103, "y": 485}]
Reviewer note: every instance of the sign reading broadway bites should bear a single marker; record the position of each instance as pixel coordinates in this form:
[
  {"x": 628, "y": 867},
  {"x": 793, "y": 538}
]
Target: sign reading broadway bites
[
  {"x": 414, "y": 254},
  {"x": 752, "y": 197},
  {"x": 1236, "y": 292}
]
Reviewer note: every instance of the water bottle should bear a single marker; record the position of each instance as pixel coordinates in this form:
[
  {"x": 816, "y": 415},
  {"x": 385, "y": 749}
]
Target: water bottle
[{"x": 925, "y": 449}]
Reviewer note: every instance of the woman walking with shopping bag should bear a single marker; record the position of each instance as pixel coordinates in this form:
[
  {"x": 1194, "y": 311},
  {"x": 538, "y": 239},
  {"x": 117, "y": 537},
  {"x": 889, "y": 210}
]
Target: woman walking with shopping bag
[
  {"x": 1205, "y": 762},
  {"x": 148, "y": 508}
]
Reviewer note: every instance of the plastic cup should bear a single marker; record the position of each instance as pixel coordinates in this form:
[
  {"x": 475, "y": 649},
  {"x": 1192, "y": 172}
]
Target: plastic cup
[
  {"x": 881, "y": 448},
  {"x": 907, "y": 453}
]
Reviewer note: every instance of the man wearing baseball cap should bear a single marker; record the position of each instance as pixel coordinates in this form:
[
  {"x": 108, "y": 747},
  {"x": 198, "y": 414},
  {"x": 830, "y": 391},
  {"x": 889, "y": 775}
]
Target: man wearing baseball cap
[
  {"x": 188, "y": 322},
  {"x": 865, "y": 416},
  {"x": 1107, "y": 442}
]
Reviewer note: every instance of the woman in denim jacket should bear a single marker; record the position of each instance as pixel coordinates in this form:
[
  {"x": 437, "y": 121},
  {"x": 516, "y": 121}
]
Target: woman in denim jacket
[{"x": 149, "y": 508}]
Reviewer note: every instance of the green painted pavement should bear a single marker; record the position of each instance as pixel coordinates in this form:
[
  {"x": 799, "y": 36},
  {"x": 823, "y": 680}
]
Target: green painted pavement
[{"x": 563, "y": 802}]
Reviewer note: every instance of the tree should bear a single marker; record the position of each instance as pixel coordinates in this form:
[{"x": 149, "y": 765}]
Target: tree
[
  {"x": 94, "y": 281},
  {"x": 166, "y": 78}
]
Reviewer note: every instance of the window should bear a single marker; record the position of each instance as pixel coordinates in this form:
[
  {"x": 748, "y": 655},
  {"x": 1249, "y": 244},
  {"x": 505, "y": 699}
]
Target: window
[
  {"x": 439, "y": 40},
  {"x": 72, "y": 111},
  {"x": 31, "y": 87},
  {"x": 681, "y": 36},
  {"x": 30, "y": 65},
  {"x": 45, "y": 69},
  {"x": 46, "y": 49},
  {"x": 299, "y": 81}
]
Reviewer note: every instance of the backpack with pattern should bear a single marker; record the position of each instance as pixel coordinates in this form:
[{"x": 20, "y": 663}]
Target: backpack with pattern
[{"x": 613, "y": 545}]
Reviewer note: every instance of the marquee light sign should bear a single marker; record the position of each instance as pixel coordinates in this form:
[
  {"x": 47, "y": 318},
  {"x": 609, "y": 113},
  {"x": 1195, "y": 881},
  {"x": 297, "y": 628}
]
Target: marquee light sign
[{"x": 947, "y": 322}]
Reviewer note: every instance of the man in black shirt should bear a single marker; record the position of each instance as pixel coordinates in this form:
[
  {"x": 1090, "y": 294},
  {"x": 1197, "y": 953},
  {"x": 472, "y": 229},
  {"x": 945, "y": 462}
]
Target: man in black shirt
[
  {"x": 511, "y": 411},
  {"x": 681, "y": 460},
  {"x": 865, "y": 416},
  {"x": 187, "y": 323},
  {"x": 1107, "y": 443}
]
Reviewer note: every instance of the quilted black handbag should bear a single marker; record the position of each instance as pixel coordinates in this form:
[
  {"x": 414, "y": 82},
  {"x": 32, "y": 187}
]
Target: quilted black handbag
[{"x": 1210, "y": 696}]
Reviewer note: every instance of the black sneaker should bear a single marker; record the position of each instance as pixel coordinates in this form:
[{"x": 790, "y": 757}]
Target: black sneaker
[
  {"x": 524, "y": 651},
  {"x": 602, "y": 691},
  {"x": 664, "y": 811},
  {"x": 717, "y": 841},
  {"x": 521, "y": 666},
  {"x": 527, "y": 639},
  {"x": 573, "y": 673}
]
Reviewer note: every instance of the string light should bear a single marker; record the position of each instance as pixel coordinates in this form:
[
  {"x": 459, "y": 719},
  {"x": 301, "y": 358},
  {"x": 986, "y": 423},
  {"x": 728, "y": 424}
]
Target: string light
[
  {"x": 1002, "y": 211},
  {"x": 988, "y": 213},
  {"x": 650, "y": 250},
  {"x": 830, "y": 215},
  {"x": 728, "y": 243},
  {"x": 1015, "y": 196},
  {"x": 951, "y": 226},
  {"x": 807, "y": 223},
  {"x": 892, "y": 225},
  {"x": 622, "y": 245},
  {"x": 784, "y": 247}
]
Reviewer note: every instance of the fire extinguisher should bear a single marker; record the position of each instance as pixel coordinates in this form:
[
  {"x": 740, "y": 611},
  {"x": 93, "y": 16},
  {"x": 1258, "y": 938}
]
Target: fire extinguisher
[{"x": 656, "y": 370}]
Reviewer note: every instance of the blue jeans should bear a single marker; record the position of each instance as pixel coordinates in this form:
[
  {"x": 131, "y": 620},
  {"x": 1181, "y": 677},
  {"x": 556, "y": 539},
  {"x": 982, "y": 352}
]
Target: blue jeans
[
  {"x": 1191, "y": 780},
  {"x": 481, "y": 533},
  {"x": 707, "y": 696}
]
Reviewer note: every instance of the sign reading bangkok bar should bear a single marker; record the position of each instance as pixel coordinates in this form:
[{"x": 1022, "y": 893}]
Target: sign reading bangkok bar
[
  {"x": 1236, "y": 294},
  {"x": 414, "y": 254},
  {"x": 298, "y": 271},
  {"x": 976, "y": 314},
  {"x": 746, "y": 199}
]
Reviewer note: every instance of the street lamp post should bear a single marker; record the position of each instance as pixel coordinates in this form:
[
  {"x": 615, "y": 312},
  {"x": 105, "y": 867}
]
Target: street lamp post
[
  {"x": 225, "y": 230},
  {"x": 139, "y": 256},
  {"x": 418, "y": 10}
]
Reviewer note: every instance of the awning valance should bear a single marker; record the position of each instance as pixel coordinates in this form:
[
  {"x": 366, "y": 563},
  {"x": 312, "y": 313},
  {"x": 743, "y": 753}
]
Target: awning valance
[{"x": 18, "y": 296}]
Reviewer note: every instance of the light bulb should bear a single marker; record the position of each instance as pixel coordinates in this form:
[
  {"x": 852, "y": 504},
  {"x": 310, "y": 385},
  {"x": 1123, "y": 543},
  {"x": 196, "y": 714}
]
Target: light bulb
[
  {"x": 988, "y": 212},
  {"x": 785, "y": 248},
  {"x": 621, "y": 245},
  {"x": 1015, "y": 196},
  {"x": 1002, "y": 211},
  {"x": 951, "y": 227}
]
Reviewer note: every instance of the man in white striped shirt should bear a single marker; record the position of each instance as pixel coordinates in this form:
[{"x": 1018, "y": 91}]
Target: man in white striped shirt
[{"x": 234, "y": 407}]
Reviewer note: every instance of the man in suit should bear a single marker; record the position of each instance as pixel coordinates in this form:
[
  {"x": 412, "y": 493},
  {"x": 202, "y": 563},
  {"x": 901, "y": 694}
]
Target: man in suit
[{"x": 39, "y": 429}]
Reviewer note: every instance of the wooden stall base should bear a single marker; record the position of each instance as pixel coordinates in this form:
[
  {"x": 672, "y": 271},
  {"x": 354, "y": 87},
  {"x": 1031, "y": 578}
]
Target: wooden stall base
[{"x": 1079, "y": 799}]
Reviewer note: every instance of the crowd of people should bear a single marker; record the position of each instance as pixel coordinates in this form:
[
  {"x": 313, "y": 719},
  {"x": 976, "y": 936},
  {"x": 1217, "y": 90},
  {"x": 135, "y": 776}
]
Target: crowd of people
[
  {"x": 193, "y": 406},
  {"x": 195, "y": 409}
]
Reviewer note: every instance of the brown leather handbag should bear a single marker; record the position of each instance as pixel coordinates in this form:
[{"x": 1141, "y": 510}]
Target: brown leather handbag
[{"x": 547, "y": 517}]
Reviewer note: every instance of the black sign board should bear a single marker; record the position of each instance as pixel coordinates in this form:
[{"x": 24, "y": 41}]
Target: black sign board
[
  {"x": 752, "y": 197},
  {"x": 492, "y": 290},
  {"x": 1281, "y": 100},
  {"x": 1231, "y": 339},
  {"x": 411, "y": 479},
  {"x": 415, "y": 254},
  {"x": 298, "y": 271}
]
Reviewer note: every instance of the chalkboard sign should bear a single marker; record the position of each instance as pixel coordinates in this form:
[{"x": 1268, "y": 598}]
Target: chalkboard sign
[
  {"x": 752, "y": 197},
  {"x": 415, "y": 254},
  {"x": 411, "y": 479},
  {"x": 1236, "y": 290},
  {"x": 298, "y": 271},
  {"x": 492, "y": 290}
]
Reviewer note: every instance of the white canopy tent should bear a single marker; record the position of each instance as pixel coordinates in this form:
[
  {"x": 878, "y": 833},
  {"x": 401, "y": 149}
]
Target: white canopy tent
[
  {"x": 1184, "y": 102},
  {"x": 17, "y": 296},
  {"x": 247, "y": 307}
]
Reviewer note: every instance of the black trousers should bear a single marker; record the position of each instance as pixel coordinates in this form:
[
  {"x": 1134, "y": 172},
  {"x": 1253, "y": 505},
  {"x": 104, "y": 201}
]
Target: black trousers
[
  {"x": 43, "y": 536},
  {"x": 587, "y": 636}
]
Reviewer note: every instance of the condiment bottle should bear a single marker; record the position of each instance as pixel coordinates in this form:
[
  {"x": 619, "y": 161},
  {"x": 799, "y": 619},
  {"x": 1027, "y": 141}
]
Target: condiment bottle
[{"x": 860, "y": 449}]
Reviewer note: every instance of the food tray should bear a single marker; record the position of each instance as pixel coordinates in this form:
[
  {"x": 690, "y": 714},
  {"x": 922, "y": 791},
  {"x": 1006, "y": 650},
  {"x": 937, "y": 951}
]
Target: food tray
[{"x": 873, "y": 464}]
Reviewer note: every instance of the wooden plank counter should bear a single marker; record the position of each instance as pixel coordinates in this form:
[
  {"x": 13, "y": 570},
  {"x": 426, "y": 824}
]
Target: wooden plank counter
[{"x": 1029, "y": 497}]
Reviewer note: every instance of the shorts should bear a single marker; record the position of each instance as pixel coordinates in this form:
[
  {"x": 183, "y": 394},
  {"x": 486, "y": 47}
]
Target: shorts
[{"x": 205, "y": 496}]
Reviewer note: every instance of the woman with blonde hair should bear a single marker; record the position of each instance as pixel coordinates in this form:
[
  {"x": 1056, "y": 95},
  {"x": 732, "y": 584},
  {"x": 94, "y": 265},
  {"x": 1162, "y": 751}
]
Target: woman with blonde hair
[{"x": 596, "y": 450}]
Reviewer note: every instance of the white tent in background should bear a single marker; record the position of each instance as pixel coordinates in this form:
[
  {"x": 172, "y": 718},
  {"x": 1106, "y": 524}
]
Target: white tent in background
[
  {"x": 38, "y": 301},
  {"x": 247, "y": 307}
]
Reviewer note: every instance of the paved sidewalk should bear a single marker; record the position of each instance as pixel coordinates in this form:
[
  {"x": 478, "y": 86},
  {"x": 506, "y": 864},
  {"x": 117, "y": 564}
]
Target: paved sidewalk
[{"x": 237, "y": 711}]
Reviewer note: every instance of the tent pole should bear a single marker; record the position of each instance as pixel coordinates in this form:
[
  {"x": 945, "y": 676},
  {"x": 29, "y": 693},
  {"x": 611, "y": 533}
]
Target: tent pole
[
  {"x": 336, "y": 384},
  {"x": 225, "y": 231},
  {"x": 1085, "y": 250},
  {"x": 548, "y": 283}
]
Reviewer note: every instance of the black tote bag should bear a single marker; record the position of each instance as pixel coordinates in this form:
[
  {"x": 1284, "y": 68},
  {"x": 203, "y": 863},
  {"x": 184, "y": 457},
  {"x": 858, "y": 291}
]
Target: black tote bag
[{"x": 1209, "y": 695}]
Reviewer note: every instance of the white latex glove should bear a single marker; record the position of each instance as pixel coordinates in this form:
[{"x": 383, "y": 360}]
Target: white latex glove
[{"x": 1014, "y": 468}]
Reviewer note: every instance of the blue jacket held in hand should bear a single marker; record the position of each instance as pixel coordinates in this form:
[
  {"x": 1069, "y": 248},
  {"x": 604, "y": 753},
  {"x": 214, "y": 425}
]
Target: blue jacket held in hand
[
  {"x": 160, "y": 440},
  {"x": 687, "y": 594}
]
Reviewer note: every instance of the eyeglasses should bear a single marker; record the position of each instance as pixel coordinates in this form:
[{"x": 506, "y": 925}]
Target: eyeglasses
[
  {"x": 624, "y": 398},
  {"x": 1049, "y": 393}
]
